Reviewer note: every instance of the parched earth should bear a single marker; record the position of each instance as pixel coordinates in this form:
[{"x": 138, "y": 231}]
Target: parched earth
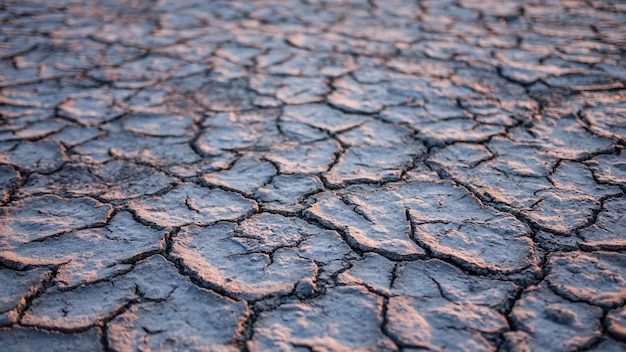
[{"x": 313, "y": 175}]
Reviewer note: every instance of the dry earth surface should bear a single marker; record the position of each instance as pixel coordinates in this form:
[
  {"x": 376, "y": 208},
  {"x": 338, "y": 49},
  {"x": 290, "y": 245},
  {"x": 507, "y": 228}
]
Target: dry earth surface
[{"x": 312, "y": 175}]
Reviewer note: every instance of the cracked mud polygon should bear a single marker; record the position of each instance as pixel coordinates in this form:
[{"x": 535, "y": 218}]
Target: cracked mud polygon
[{"x": 312, "y": 175}]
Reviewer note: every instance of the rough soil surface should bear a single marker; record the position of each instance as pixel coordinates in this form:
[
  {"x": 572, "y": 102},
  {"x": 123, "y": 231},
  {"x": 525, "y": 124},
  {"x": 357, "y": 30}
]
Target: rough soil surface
[{"x": 310, "y": 175}]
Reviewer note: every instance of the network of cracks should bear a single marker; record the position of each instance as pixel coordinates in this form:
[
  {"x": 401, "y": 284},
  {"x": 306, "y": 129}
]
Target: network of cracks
[{"x": 313, "y": 175}]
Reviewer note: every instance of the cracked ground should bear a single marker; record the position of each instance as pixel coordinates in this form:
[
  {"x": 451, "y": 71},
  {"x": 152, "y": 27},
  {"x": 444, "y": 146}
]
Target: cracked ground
[{"x": 312, "y": 175}]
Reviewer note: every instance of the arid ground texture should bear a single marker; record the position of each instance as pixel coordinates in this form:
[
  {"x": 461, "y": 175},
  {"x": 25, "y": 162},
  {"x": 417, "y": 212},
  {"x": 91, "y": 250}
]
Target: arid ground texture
[{"x": 306, "y": 175}]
